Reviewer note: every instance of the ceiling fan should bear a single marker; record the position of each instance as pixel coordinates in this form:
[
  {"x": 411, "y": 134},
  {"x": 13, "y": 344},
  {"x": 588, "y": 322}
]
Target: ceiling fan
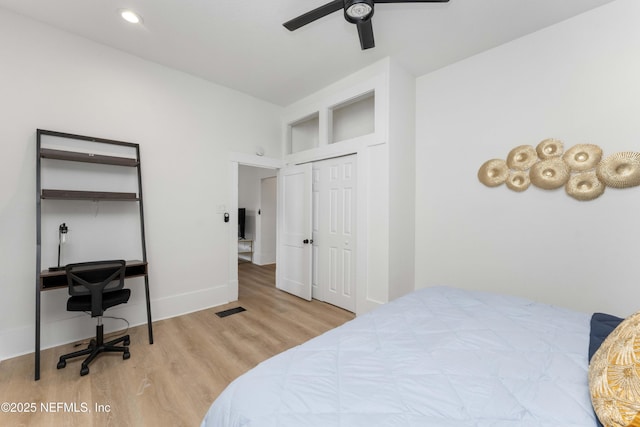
[{"x": 357, "y": 12}]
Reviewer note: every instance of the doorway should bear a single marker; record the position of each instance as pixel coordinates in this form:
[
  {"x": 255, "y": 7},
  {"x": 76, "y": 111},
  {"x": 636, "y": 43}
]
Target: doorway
[
  {"x": 236, "y": 161},
  {"x": 334, "y": 258},
  {"x": 256, "y": 215}
]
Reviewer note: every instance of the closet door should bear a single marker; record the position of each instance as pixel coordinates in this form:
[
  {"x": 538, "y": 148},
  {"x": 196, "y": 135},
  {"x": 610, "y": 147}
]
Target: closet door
[
  {"x": 334, "y": 224},
  {"x": 293, "y": 271}
]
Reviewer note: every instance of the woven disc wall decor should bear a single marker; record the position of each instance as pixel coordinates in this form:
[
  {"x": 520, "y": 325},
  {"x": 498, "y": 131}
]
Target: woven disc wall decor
[
  {"x": 549, "y": 174},
  {"x": 620, "y": 170},
  {"x": 518, "y": 181},
  {"x": 584, "y": 186},
  {"x": 581, "y": 170},
  {"x": 522, "y": 157},
  {"x": 582, "y": 157},
  {"x": 493, "y": 172},
  {"x": 549, "y": 148}
]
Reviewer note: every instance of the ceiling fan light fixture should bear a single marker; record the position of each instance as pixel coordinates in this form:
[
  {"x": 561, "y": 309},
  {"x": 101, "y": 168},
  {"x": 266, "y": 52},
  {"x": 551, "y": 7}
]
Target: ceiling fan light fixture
[{"x": 358, "y": 10}]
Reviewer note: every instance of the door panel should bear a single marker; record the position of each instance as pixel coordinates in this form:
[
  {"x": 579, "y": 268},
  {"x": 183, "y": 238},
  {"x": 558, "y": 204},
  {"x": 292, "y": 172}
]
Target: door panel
[
  {"x": 334, "y": 237},
  {"x": 294, "y": 227}
]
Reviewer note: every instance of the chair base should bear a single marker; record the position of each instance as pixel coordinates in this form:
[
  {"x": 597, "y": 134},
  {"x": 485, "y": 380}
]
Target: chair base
[{"x": 97, "y": 346}]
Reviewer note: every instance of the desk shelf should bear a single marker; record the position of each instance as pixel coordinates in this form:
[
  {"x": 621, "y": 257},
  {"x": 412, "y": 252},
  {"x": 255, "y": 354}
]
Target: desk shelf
[
  {"x": 80, "y": 147},
  {"x": 73, "y": 156},
  {"x": 88, "y": 195}
]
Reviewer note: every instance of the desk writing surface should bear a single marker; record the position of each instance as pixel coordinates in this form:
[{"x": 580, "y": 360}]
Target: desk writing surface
[{"x": 58, "y": 279}]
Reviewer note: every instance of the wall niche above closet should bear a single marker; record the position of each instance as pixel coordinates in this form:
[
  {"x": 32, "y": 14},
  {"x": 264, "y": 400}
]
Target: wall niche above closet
[
  {"x": 304, "y": 134},
  {"x": 353, "y": 118},
  {"x": 337, "y": 124}
]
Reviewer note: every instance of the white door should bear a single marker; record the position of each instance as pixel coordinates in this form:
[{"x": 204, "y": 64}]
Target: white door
[
  {"x": 334, "y": 227},
  {"x": 293, "y": 265}
]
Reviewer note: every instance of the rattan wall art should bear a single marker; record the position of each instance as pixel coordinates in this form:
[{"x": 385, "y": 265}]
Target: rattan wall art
[{"x": 580, "y": 170}]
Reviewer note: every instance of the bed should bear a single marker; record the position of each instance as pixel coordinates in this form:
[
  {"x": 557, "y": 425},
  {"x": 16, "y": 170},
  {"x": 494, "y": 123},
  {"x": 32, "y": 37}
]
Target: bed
[{"x": 440, "y": 356}]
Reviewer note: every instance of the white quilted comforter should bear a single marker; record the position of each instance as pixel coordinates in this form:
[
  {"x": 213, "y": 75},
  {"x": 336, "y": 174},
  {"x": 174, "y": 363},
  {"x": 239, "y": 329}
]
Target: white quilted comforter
[{"x": 439, "y": 357}]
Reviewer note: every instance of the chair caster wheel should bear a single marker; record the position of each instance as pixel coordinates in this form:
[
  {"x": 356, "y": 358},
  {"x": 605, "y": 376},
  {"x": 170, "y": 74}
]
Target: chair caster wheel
[
  {"x": 92, "y": 343},
  {"x": 126, "y": 355},
  {"x": 126, "y": 342},
  {"x": 62, "y": 364},
  {"x": 84, "y": 371}
]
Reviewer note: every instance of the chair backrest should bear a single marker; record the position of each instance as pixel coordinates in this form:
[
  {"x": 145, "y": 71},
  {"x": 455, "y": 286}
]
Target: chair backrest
[{"x": 95, "y": 278}]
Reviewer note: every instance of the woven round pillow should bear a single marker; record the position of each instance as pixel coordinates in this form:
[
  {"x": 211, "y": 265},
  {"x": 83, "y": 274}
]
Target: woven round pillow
[{"x": 614, "y": 376}]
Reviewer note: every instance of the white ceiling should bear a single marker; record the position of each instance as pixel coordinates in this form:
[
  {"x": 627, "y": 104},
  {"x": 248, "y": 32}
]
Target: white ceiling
[{"x": 244, "y": 45}]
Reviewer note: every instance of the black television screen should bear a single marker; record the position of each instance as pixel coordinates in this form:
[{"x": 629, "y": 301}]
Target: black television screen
[{"x": 241, "y": 219}]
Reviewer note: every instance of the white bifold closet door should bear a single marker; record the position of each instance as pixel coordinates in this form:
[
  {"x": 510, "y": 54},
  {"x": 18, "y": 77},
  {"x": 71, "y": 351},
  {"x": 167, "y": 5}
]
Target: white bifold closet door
[
  {"x": 334, "y": 231},
  {"x": 293, "y": 258}
]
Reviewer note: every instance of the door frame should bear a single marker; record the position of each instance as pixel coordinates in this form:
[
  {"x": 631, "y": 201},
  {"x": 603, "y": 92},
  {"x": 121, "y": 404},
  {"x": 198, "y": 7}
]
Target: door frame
[
  {"x": 363, "y": 300},
  {"x": 235, "y": 160}
]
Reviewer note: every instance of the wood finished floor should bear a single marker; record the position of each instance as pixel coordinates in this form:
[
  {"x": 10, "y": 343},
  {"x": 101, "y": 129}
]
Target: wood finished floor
[{"x": 173, "y": 381}]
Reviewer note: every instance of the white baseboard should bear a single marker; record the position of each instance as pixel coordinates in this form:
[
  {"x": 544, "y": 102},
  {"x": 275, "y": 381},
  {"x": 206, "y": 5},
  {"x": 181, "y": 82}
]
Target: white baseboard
[
  {"x": 77, "y": 327},
  {"x": 264, "y": 258}
]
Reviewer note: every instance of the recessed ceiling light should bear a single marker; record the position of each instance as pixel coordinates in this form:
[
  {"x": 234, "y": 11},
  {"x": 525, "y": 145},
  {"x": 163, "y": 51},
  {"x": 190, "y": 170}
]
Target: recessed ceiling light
[{"x": 130, "y": 16}]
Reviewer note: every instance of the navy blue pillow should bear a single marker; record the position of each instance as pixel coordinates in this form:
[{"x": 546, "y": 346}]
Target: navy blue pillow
[{"x": 601, "y": 326}]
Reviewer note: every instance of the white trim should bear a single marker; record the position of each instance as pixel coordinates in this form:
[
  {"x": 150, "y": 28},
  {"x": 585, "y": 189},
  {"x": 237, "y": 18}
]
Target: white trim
[
  {"x": 343, "y": 148},
  {"x": 255, "y": 160},
  {"x": 232, "y": 291},
  {"x": 236, "y": 159},
  {"x": 359, "y": 147},
  {"x": 56, "y": 332}
]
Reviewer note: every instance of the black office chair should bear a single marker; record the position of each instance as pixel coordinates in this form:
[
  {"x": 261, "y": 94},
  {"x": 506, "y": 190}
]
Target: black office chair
[{"x": 96, "y": 286}]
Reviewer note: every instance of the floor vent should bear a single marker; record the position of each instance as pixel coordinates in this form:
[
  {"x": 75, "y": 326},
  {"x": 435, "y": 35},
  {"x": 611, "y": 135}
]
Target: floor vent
[{"x": 225, "y": 313}]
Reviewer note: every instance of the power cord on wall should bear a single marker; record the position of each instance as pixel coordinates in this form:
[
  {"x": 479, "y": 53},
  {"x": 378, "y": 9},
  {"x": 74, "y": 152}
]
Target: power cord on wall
[{"x": 85, "y": 343}]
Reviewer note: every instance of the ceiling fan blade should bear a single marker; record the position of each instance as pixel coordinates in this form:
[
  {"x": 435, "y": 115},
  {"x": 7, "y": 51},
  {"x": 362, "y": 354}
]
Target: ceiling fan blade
[
  {"x": 314, "y": 14},
  {"x": 365, "y": 32},
  {"x": 411, "y": 1}
]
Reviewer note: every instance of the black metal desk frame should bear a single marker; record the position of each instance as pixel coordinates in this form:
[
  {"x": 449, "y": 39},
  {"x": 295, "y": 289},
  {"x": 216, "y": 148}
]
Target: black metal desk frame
[{"x": 46, "y": 280}]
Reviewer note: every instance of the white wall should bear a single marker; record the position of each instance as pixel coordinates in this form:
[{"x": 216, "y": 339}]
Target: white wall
[
  {"x": 267, "y": 224},
  {"x": 185, "y": 126},
  {"x": 402, "y": 180},
  {"x": 577, "y": 81}
]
